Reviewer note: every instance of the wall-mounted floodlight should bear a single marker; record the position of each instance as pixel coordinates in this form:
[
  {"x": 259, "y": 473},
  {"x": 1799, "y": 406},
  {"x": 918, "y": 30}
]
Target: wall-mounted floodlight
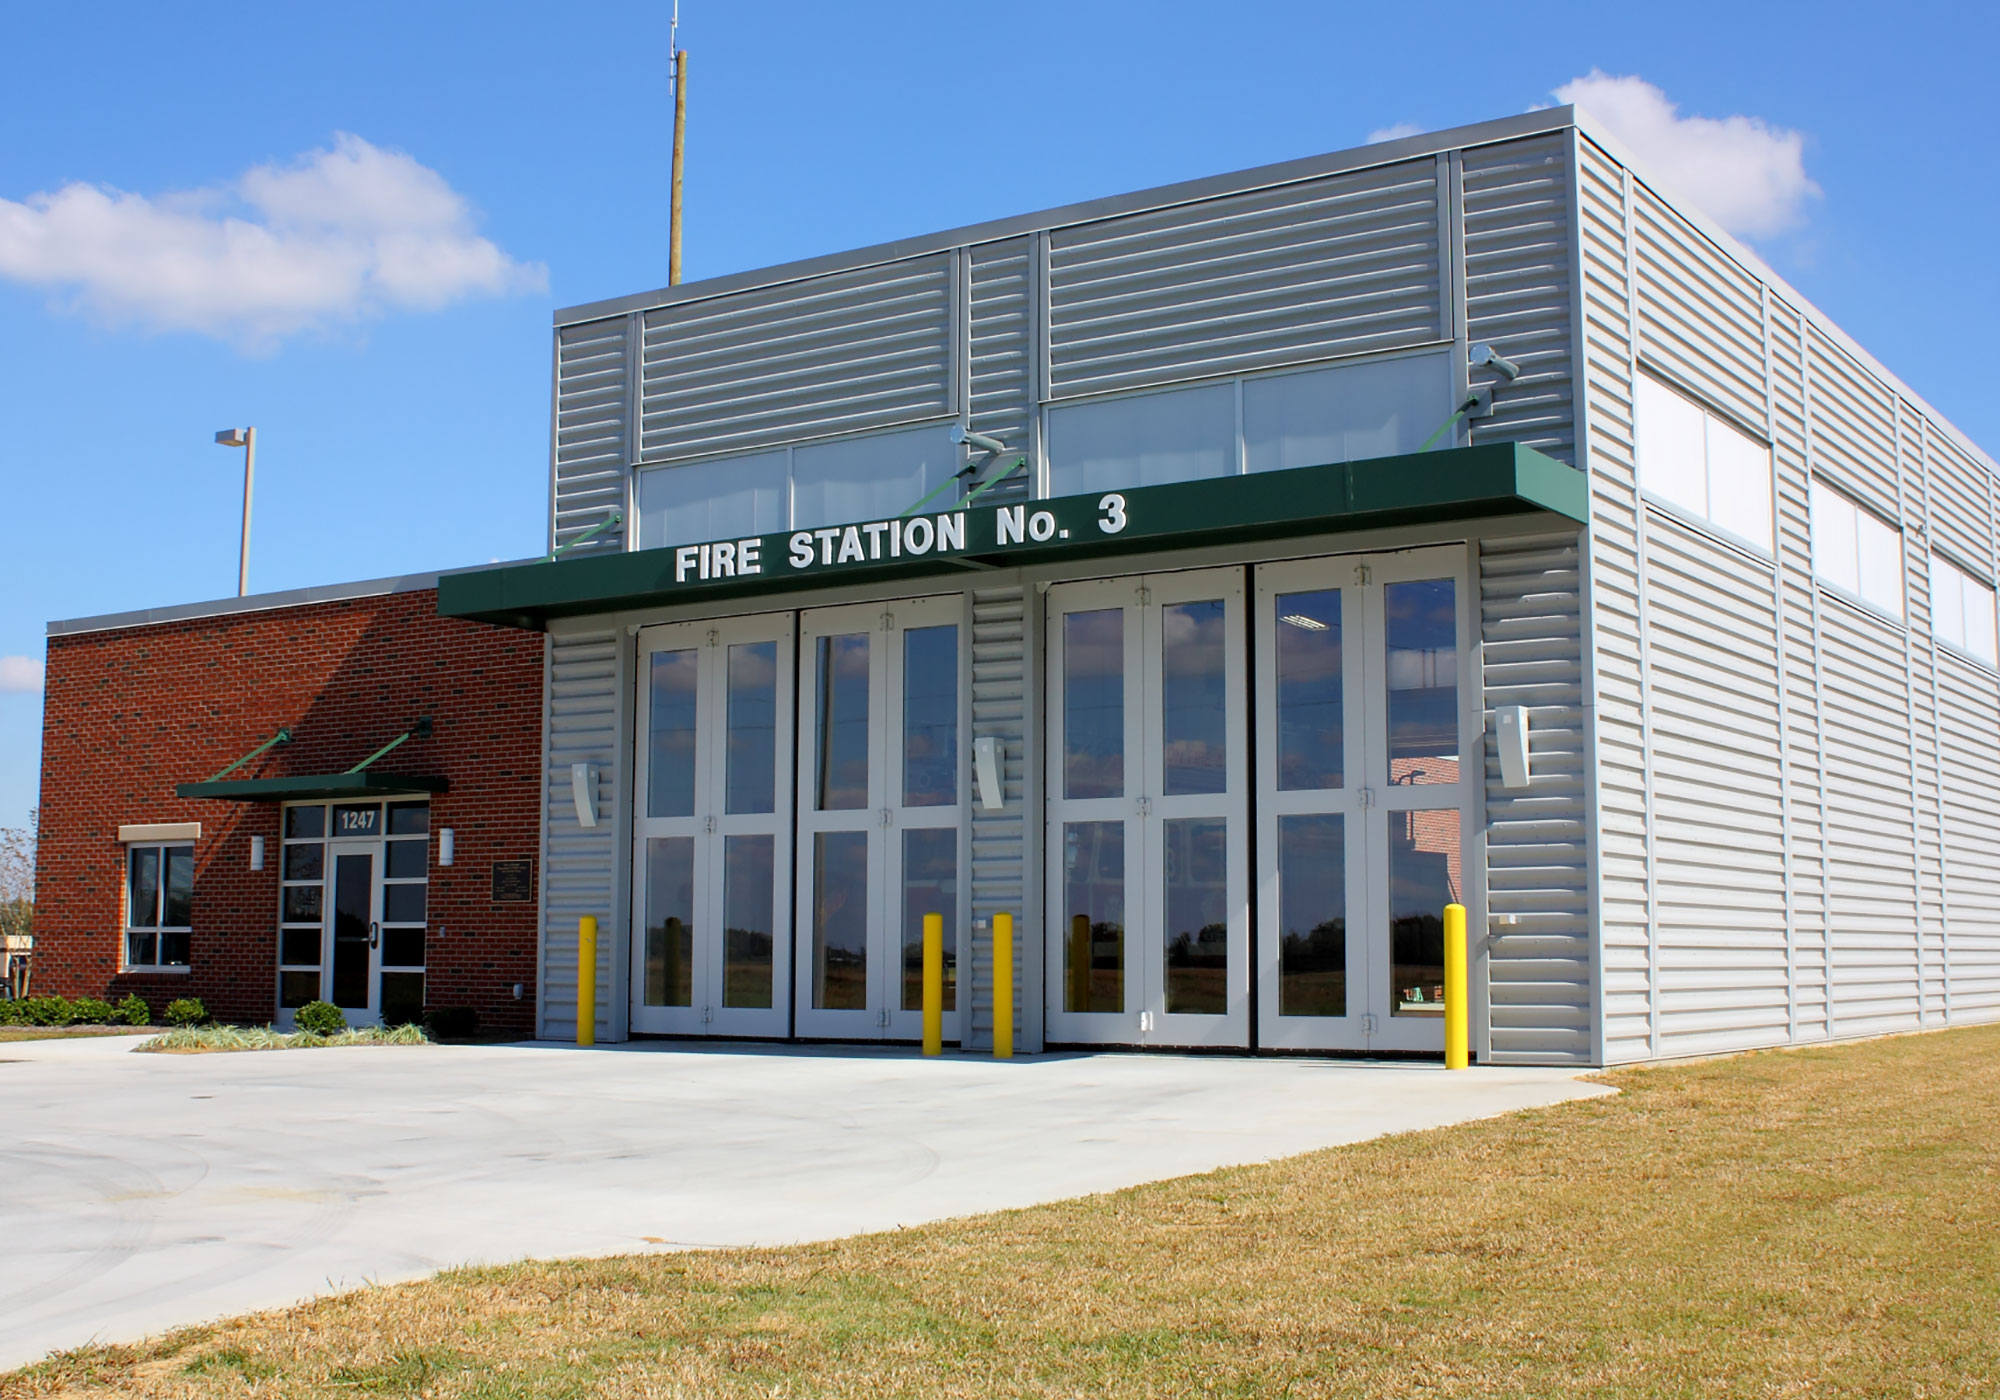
[
  {"x": 1486, "y": 355},
  {"x": 245, "y": 438},
  {"x": 985, "y": 442},
  {"x": 583, "y": 792},
  {"x": 1511, "y": 725},
  {"x": 986, "y": 765},
  {"x": 447, "y": 846},
  {"x": 256, "y": 853}
]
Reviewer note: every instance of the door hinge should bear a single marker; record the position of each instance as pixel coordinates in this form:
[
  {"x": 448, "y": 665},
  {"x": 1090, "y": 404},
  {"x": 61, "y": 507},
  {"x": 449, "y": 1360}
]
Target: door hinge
[
  {"x": 1145, "y": 807},
  {"x": 1361, "y": 573},
  {"x": 888, "y": 816},
  {"x": 1368, "y": 1023},
  {"x": 882, "y": 1017},
  {"x": 714, "y": 637},
  {"x": 1365, "y": 796},
  {"x": 1145, "y": 1023},
  {"x": 708, "y": 825},
  {"x": 888, "y": 622},
  {"x": 707, "y": 1014},
  {"x": 1145, "y": 595}
]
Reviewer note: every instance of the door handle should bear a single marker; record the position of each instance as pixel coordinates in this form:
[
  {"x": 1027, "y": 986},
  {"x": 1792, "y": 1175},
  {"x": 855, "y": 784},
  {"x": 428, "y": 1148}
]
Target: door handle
[{"x": 374, "y": 935}]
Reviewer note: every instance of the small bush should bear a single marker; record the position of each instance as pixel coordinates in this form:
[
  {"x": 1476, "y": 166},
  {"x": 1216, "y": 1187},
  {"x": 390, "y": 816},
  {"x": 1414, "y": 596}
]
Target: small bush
[
  {"x": 44, "y": 1011},
  {"x": 452, "y": 1022},
  {"x": 186, "y": 1011},
  {"x": 133, "y": 1010},
  {"x": 91, "y": 1011},
  {"x": 321, "y": 1018}
]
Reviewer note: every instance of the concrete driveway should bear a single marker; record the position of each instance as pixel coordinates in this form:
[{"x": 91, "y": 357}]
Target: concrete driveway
[{"x": 142, "y": 1192}]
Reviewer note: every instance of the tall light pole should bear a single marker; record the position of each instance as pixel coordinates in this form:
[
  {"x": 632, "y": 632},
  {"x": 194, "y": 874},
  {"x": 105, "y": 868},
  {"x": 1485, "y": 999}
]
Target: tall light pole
[{"x": 245, "y": 438}]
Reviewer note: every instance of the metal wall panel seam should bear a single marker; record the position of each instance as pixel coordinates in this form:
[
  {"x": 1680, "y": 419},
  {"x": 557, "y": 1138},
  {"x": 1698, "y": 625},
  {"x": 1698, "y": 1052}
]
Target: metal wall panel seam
[
  {"x": 1031, "y": 984},
  {"x": 958, "y": 373},
  {"x": 635, "y": 359},
  {"x": 1784, "y": 686},
  {"x": 555, "y": 424},
  {"x": 1461, "y": 314},
  {"x": 1471, "y": 719},
  {"x": 1038, "y": 356},
  {"x": 624, "y": 739},
  {"x": 1642, "y": 603},
  {"x": 1937, "y": 745},
  {"x": 1819, "y": 685},
  {"x": 967, "y": 988},
  {"x": 1451, "y": 286},
  {"x": 1904, "y": 505},
  {"x": 1584, "y": 423}
]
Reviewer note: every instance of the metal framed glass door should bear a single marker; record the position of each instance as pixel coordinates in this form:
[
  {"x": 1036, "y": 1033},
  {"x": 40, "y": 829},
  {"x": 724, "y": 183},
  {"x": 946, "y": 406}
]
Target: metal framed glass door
[
  {"x": 354, "y": 883},
  {"x": 712, "y": 862},
  {"x": 880, "y": 804},
  {"x": 1147, "y": 813},
  {"x": 1365, "y": 793}
]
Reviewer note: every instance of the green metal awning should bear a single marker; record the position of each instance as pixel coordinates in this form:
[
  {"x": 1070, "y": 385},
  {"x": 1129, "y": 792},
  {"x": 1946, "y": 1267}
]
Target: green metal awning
[
  {"x": 308, "y": 786},
  {"x": 1458, "y": 484}
]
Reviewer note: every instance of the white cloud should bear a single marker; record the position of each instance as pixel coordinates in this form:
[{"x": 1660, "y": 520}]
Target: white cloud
[
  {"x": 1746, "y": 174},
  {"x": 1393, "y": 133},
  {"x": 335, "y": 237},
  {"x": 20, "y": 675}
]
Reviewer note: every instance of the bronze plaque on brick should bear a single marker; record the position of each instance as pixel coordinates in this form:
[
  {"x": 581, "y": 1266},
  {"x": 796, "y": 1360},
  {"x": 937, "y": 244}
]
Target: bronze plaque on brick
[{"x": 513, "y": 882}]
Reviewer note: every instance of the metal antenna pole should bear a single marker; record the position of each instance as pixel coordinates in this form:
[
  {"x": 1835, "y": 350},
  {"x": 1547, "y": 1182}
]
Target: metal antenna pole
[{"x": 679, "y": 60}]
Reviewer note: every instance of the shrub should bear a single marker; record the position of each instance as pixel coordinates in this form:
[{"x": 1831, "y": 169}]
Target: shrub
[
  {"x": 44, "y": 1011},
  {"x": 452, "y": 1022},
  {"x": 133, "y": 1011},
  {"x": 186, "y": 1011},
  {"x": 321, "y": 1018},
  {"x": 91, "y": 1011}
]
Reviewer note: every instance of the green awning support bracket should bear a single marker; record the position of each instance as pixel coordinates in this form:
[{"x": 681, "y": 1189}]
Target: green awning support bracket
[
  {"x": 420, "y": 730},
  {"x": 278, "y": 740},
  {"x": 1472, "y": 401},
  {"x": 992, "y": 481},
  {"x": 616, "y": 517}
]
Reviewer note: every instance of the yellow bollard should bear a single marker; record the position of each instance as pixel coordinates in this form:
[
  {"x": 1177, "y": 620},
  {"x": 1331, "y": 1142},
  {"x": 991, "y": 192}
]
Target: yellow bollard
[
  {"x": 1003, "y": 986},
  {"x": 586, "y": 980},
  {"x": 1457, "y": 1010},
  {"x": 933, "y": 984}
]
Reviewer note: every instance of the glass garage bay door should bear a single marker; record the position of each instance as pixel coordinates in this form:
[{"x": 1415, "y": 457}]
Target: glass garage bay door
[
  {"x": 712, "y": 860},
  {"x": 1147, "y": 820}
]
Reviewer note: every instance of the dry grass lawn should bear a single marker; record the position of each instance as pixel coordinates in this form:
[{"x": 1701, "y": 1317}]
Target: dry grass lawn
[
  {"x": 11, "y": 1034},
  {"x": 1818, "y": 1223}
]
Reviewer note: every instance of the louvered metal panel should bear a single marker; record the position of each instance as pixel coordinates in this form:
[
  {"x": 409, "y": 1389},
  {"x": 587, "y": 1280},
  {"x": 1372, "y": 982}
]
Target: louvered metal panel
[
  {"x": 1718, "y": 802},
  {"x": 1959, "y": 516},
  {"x": 1700, "y": 313},
  {"x": 1249, "y": 281},
  {"x": 1969, "y": 737},
  {"x": 1872, "y": 946},
  {"x": 1518, "y": 292},
  {"x": 584, "y": 722},
  {"x": 1539, "y": 963},
  {"x": 592, "y": 430},
  {"x": 849, "y": 351},
  {"x": 1002, "y": 344},
  {"x": 1000, "y": 708},
  {"x": 1616, "y": 639},
  {"x": 1853, "y": 426},
  {"x": 1919, "y": 654}
]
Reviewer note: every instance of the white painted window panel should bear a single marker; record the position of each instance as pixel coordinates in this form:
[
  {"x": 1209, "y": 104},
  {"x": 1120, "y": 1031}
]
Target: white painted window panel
[
  {"x": 1739, "y": 482},
  {"x": 1150, "y": 440},
  {"x": 1836, "y": 555},
  {"x": 1947, "y": 603},
  {"x": 1980, "y": 638},
  {"x": 869, "y": 478},
  {"x": 1344, "y": 413},
  {"x": 1673, "y": 450},
  {"x": 1881, "y": 563},
  {"x": 716, "y": 500}
]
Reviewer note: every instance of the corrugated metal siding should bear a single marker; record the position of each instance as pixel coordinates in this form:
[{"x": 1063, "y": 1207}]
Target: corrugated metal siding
[
  {"x": 1920, "y": 670},
  {"x": 1000, "y": 707},
  {"x": 1616, "y": 637},
  {"x": 585, "y": 723},
  {"x": 1969, "y": 731},
  {"x": 1718, "y": 801},
  {"x": 841, "y": 353},
  {"x": 1959, "y": 518},
  {"x": 1322, "y": 267},
  {"x": 1539, "y": 967},
  {"x": 592, "y": 429},
  {"x": 1870, "y": 824},
  {"x": 1853, "y": 426},
  {"x": 1700, "y": 313},
  {"x": 1518, "y": 293},
  {"x": 1002, "y": 351}
]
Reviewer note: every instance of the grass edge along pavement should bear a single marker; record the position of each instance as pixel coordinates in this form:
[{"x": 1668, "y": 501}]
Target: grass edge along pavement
[{"x": 1822, "y": 1221}]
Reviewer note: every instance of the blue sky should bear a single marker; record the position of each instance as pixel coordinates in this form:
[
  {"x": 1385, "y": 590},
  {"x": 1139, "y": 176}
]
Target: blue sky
[{"x": 405, "y": 427}]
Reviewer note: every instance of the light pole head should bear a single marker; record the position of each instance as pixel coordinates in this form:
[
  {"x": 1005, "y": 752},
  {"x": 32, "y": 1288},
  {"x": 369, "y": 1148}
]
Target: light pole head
[{"x": 233, "y": 437}]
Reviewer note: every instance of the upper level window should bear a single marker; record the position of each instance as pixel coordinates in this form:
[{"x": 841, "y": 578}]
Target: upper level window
[
  {"x": 159, "y": 905},
  {"x": 1962, "y": 613},
  {"x": 1854, "y": 551},
  {"x": 1702, "y": 463},
  {"x": 1308, "y": 418},
  {"x": 794, "y": 488}
]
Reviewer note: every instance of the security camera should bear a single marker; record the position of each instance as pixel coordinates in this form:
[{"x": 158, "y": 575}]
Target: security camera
[
  {"x": 1495, "y": 361},
  {"x": 981, "y": 441}
]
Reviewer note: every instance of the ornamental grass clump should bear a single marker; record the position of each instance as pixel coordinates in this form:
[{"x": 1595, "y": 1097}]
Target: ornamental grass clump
[{"x": 202, "y": 1040}]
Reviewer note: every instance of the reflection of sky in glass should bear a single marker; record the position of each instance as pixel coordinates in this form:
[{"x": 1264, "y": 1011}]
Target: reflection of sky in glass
[
  {"x": 1094, "y": 916},
  {"x": 930, "y": 886},
  {"x": 843, "y": 722},
  {"x": 670, "y": 767},
  {"x": 753, "y": 726},
  {"x": 1094, "y": 703},
  {"x": 1422, "y": 647},
  {"x": 1197, "y": 923},
  {"x": 930, "y": 716},
  {"x": 1196, "y": 701},
  {"x": 840, "y": 920},
  {"x": 1311, "y": 718},
  {"x": 748, "y": 888}
]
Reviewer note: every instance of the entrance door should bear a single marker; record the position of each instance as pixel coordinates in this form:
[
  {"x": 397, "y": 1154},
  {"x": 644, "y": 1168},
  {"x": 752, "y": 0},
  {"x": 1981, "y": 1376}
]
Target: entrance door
[
  {"x": 880, "y": 800},
  {"x": 1364, "y": 796},
  {"x": 354, "y": 932},
  {"x": 1148, "y": 852},
  {"x": 353, "y": 910},
  {"x": 712, "y": 862}
]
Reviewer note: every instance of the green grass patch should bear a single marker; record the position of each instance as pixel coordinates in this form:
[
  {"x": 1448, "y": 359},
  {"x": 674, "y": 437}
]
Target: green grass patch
[{"x": 1820, "y": 1223}]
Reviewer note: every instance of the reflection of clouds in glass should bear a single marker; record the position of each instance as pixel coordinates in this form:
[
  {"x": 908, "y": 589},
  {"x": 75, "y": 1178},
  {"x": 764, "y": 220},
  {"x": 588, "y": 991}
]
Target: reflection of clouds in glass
[
  {"x": 1423, "y": 670},
  {"x": 755, "y": 664}
]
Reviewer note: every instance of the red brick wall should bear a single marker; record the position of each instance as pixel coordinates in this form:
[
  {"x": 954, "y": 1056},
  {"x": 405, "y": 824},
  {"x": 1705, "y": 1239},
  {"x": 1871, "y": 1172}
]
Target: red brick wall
[{"x": 129, "y": 713}]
